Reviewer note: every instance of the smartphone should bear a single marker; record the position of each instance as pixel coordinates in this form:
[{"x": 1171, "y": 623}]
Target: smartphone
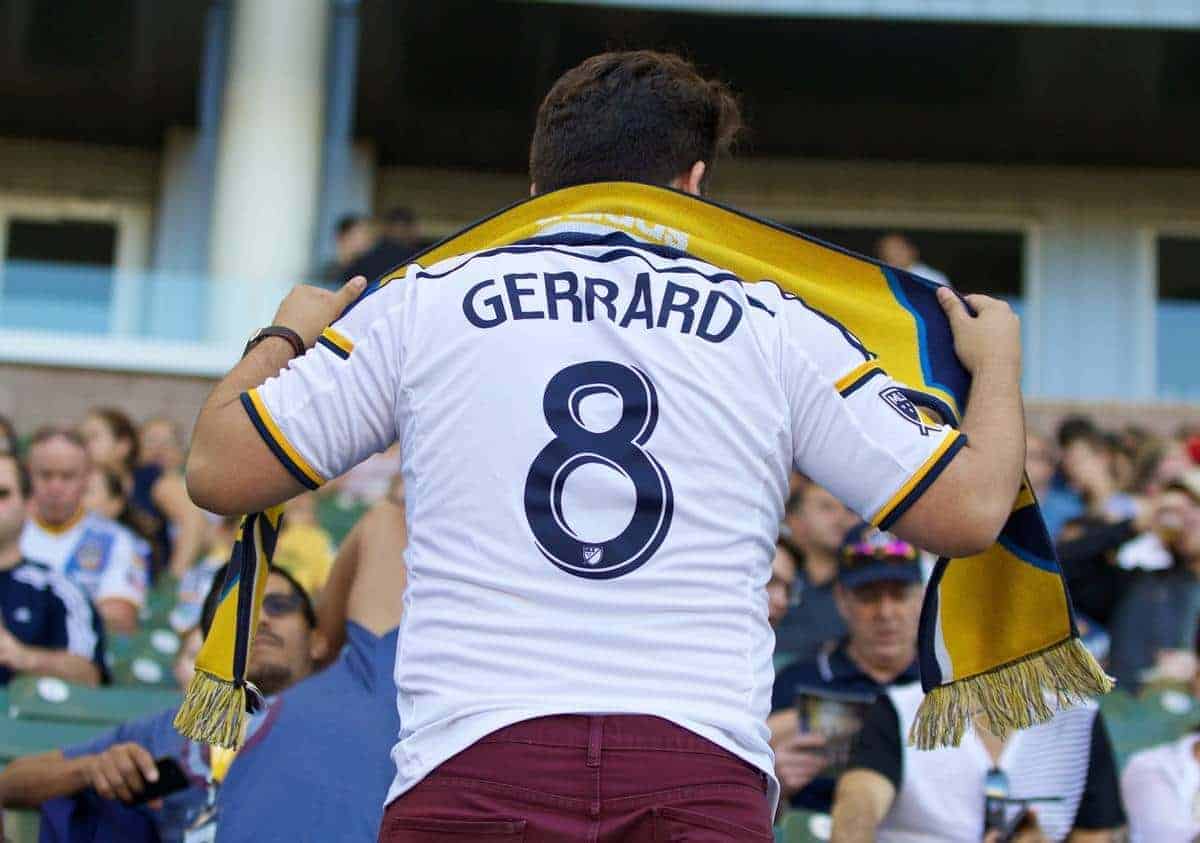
[{"x": 171, "y": 779}]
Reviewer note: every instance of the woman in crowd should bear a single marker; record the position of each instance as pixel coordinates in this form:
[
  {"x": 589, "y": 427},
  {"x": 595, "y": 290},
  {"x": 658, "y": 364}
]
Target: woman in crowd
[{"x": 112, "y": 442}]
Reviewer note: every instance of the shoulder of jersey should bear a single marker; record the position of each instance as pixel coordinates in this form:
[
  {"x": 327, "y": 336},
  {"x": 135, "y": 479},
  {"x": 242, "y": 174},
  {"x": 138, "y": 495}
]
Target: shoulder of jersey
[{"x": 39, "y": 575}]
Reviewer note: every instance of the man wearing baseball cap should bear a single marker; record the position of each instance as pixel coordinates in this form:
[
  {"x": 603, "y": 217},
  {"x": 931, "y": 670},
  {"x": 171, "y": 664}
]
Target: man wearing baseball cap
[{"x": 878, "y": 593}]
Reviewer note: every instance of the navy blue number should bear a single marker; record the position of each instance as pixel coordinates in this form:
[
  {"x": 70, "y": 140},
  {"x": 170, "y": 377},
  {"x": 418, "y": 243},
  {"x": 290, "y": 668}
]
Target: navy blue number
[{"x": 620, "y": 448}]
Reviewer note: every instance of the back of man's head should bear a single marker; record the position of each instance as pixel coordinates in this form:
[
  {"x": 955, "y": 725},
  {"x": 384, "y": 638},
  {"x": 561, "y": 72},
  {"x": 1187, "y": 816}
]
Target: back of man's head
[{"x": 637, "y": 116}]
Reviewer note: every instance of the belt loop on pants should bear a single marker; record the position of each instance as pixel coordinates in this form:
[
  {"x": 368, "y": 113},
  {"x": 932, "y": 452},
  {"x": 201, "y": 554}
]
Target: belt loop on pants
[{"x": 595, "y": 734}]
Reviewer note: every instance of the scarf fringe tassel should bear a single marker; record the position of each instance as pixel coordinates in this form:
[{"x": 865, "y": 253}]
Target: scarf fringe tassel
[
  {"x": 1012, "y": 697},
  {"x": 213, "y": 711}
]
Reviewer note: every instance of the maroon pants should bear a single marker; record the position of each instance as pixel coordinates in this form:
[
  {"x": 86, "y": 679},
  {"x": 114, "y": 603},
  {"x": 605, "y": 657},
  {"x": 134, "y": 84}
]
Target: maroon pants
[{"x": 628, "y": 778}]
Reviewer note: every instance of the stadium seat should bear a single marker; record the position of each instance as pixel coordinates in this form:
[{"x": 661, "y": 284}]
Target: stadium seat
[
  {"x": 1137, "y": 723},
  {"x": 147, "y": 658},
  {"x": 25, "y": 737},
  {"x": 21, "y": 826},
  {"x": 803, "y": 827},
  {"x": 337, "y": 516},
  {"x": 160, "y": 601},
  {"x": 45, "y": 698}
]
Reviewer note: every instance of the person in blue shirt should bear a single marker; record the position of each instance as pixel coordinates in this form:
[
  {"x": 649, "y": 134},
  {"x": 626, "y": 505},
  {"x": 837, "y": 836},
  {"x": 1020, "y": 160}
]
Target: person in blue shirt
[
  {"x": 322, "y": 770},
  {"x": 47, "y": 625},
  {"x": 814, "y": 703},
  {"x": 117, "y": 765},
  {"x": 300, "y": 757}
]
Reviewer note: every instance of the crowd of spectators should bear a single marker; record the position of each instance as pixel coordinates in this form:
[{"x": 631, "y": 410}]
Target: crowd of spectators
[{"x": 94, "y": 515}]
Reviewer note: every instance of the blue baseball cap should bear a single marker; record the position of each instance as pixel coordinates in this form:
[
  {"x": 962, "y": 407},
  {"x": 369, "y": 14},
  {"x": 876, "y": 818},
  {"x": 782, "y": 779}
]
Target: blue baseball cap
[{"x": 869, "y": 555}]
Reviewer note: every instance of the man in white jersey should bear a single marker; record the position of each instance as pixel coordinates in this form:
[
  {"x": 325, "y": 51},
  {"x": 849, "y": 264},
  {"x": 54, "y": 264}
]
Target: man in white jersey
[
  {"x": 596, "y": 435},
  {"x": 98, "y": 555}
]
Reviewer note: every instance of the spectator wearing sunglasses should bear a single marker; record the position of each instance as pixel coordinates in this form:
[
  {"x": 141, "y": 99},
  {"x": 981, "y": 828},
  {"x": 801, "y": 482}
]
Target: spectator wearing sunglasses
[
  {"x": 328, "y": 738},
  {"x": 118, "y": 764},
  {"x": 815, "y": 703},
  {"x": 1054, "y": 781}
]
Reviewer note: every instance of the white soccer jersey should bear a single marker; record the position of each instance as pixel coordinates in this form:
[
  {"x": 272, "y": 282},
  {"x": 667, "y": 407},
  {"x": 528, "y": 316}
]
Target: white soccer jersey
[
  {"x": 98, "y": 555},
  {"x": 596, "y": 437}
]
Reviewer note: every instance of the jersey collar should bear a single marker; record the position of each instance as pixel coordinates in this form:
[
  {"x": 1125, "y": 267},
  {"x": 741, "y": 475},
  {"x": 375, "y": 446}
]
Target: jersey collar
[{"x": 66, "y": 526}]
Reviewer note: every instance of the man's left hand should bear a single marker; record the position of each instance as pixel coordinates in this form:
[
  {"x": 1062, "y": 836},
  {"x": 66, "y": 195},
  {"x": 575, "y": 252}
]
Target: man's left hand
[{"x": 310, "y": 310}]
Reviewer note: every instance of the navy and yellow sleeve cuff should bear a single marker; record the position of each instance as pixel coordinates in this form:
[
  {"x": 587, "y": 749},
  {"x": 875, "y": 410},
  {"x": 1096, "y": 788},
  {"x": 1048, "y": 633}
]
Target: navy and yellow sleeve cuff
[
  {"x": 856, "y": 377},
  {"x": 336, "y": 342},
  {"x": 287, "y": 454},
  {"x": 921, "y": 480}
]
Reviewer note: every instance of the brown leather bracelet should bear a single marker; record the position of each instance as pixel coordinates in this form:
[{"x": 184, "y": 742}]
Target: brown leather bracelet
[{"x": 280, "y": 331}]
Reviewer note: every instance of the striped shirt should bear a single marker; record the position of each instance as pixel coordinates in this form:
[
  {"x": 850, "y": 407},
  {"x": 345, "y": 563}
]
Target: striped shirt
[{"x": 940, "y": 793}]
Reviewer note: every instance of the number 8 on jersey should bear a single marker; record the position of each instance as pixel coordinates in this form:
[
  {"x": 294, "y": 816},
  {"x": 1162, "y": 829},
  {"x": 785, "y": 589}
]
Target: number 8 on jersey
[{"x": 620, "y": 448}]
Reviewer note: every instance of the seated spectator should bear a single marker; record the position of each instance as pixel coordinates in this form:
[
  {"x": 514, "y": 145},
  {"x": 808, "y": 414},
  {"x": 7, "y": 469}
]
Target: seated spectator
[
  {"x": 894, "y": 792},
  {"x": 896, "y": 250},
  {"x": 878, "y": 594},
  {"x": 1161, "y": 788},
  {"x": 47, "y": 625},
  {"x": 816, "y": 522},
  {"x": 304, "y": 549},
  {"x": 783, "y": 576},
  {"x": 98, "y": 555},
  {"x": 118, "y": 764},
  {"x": 105, "y": 496},
  {"x": 300, "y": 758},
  {"x": 112, "y": 443},
  {"x": 1158, "y": 611},
  {"x": 331, "y": 735},
  {"x": 161, "y": 444},
  {"x": 1090, "y": 469}
]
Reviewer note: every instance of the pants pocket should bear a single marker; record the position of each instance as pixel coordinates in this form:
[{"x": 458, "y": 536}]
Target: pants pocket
[
  {"x": 441, "y": 830},
  {"x": 677, "y": 825}
]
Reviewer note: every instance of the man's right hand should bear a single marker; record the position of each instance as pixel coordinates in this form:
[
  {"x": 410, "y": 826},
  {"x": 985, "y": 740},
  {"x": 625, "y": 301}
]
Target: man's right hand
[
  {"x": 121, "y": 771},
  {"x": 798, "y": 761},
  {"x": 992, "y": 337}
]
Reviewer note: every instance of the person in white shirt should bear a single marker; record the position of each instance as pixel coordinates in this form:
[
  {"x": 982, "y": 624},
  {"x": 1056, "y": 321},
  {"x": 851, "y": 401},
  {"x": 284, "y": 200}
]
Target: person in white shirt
[
  {"x": 596, "y": 436},
  {"x": 1161, "y": 789},
  {"x": 100, "y": 556},
  {"x": 895, "y": 793}
]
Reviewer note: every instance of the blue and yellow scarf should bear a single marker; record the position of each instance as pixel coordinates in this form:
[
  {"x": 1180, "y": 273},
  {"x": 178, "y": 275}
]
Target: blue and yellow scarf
[{"x": 997, "y": 635}]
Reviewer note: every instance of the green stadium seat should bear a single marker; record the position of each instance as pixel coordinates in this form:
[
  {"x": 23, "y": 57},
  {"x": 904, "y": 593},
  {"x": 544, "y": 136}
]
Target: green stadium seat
[
  {"x": 782, "y": 660},
  {"x": 45, "y": 698},
  {"x": 25, "y": 737},
  {"x": 146, "y": 658},
  {"x": 21, "y": 826},
  {"x": 1137, "y": 723},
  {"x": 160, "y": 601},
  {"x": 803, "y": 827},
  {"x": 337, "y": 516}
]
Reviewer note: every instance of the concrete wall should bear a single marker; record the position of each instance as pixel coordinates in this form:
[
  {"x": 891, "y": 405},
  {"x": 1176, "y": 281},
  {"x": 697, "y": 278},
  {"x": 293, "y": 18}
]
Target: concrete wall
[{"x": 37, "y": 395}]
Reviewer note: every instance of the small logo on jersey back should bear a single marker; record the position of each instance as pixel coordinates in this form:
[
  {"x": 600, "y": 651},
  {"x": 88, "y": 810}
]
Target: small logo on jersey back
[
  {"x": 899, "y": 401},
  {"x": 22, "y": 615},
  {"x": 593, "y": 555}
]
